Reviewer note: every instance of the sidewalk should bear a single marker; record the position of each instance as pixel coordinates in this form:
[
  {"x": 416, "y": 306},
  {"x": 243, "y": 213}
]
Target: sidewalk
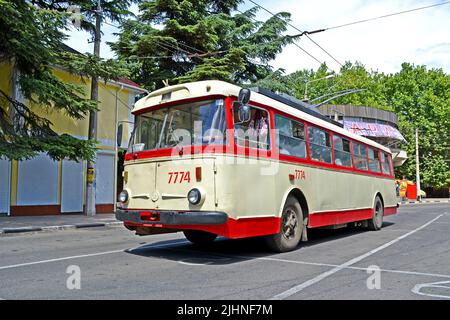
[{"x": 9, "y": 225}]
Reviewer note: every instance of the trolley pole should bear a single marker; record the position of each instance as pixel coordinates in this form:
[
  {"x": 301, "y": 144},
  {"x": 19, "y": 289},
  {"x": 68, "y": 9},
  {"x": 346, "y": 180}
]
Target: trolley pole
[
  {"x": 417, "y": 166},
  {"x": 92, "y": 134}
]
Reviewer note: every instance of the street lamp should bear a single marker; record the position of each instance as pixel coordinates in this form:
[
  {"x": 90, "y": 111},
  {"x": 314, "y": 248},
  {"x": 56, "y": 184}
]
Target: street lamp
[{"x": 305, "y": 96}]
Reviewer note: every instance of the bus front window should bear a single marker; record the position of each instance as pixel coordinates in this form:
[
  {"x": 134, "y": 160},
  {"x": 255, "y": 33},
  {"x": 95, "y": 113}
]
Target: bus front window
[{"x": 198, "y": 123}]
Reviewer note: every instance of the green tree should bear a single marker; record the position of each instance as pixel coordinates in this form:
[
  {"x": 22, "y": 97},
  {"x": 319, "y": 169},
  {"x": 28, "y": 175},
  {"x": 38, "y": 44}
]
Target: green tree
[
  {"x": 31, "y": 39},
  {"x": 421, "y": 99},
  {"x": 187, "y": 40}
]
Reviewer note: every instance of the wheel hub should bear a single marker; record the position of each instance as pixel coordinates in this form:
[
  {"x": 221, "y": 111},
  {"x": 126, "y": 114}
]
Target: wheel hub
[{"x": 290, "y": 224}]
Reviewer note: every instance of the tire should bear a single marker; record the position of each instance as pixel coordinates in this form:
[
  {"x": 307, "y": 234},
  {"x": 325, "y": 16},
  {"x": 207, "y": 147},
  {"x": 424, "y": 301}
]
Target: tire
[
  {"x": 199, "y": 237},
  {"x": 290, "y": 230},
  {"x": 376, "y": 222}
]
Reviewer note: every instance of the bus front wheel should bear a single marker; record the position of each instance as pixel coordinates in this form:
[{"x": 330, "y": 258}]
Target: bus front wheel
[
  {"x": 378, "y": 211},
  {"x": 199, "y": 237},
  {"x": 291, "y": 227}
]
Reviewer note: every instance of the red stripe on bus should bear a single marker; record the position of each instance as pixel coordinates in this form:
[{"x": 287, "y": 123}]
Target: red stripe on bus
[
  {"x": 328, "y": 218},
  {"x": 253, "y": 227},
  {"x": 233, "y": 228},
  {"x": 390, "y": 210}
]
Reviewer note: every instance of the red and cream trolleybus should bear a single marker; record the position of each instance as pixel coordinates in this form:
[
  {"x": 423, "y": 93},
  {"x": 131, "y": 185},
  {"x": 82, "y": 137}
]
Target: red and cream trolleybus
[{"x": 209, "y": 158}]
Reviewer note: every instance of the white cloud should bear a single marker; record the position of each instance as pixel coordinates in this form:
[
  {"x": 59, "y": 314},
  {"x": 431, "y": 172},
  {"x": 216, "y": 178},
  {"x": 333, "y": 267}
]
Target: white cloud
[
  {"x": 380, "y": 45},
  {"x": 421, "y": 37},
  {"x": 82, "y": 41}
]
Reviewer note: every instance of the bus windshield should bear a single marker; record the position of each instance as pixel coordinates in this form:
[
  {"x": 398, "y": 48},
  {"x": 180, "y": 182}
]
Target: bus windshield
[{"x": 197, "y": 123}]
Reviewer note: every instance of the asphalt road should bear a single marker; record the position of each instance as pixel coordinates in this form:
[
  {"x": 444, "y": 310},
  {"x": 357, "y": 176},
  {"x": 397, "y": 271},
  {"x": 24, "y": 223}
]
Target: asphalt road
[{"x": 408, "y": 259}]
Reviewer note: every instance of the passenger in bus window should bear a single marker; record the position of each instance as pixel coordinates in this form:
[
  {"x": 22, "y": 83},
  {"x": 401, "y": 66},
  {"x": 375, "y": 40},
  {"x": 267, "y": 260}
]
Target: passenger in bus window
[{"x": 253, "y": 134}]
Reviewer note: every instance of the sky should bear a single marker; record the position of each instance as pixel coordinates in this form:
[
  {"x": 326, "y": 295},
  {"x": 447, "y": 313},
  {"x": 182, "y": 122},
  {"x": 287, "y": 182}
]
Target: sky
[{"x": 420, "y": 37}]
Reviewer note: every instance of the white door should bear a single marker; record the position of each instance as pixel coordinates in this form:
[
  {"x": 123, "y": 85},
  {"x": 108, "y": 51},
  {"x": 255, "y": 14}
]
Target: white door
[
  {"x": 5, "y": 167},
  {"x": 105, "y": 179},
  {"x": 37, "y": 182},
  {"x": 72, "y": 186}
]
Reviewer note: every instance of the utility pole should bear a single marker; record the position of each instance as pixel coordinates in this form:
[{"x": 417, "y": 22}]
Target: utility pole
[
  {"x": 92, "y": 134},
  {"x": 417, "y": 166}
]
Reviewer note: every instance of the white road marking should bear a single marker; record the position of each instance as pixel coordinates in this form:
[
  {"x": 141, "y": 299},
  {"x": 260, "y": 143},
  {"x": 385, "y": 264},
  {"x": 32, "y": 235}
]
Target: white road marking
[
  {"x": 90, "y": 255},
  {"x": 360, "y": 268},
  {"x": 193, "y": 264},
  {"x": 205, "y": 261},
  {"x": 319, "y": 264},
  {"x": 304, "y": 285},
  {"x": 418, "y": 287}
]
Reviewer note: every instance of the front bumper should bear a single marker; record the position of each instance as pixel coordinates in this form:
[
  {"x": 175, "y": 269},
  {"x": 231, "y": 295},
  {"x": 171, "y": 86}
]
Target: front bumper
[{"x": 163, "y": 217}]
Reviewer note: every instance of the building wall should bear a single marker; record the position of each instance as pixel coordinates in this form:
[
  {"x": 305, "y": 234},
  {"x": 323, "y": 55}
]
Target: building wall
[{"x": 41, "y": 186}]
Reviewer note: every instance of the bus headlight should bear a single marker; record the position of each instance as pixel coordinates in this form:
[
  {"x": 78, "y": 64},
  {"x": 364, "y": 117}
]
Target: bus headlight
[
  {"x": 123, "y": 196},
  {"x": 194, "y": 196}
]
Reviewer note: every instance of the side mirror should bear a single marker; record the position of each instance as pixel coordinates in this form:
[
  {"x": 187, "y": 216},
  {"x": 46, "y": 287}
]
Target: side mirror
[
  {"x": 244, "y": 96},
  {"x": 242, "y": 105},
  {"x": 119, "y": 134}
]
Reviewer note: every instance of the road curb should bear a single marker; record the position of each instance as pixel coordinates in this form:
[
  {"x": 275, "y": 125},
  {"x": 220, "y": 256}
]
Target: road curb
[
  {"x": 423, "y": 202},
  {"x": 24, "y": 230},
  {"x": 21, "y": 230}
]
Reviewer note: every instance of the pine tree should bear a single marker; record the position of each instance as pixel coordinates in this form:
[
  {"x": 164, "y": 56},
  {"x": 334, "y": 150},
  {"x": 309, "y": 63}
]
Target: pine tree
[
  {"x": 191, "y": 40},
  {"x": 31, "y": 39}
]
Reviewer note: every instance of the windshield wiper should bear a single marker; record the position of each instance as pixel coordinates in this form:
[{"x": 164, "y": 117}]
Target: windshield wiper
[{"x": 162, "y": 130}]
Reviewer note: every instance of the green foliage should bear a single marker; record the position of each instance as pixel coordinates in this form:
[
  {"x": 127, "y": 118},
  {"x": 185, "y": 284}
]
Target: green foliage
[
  {"x": 191, "y": 40},
  {"x": 31, "y": 39},
  {"x": 28, "y": 135},
  {"x": 420, "y": 98}
]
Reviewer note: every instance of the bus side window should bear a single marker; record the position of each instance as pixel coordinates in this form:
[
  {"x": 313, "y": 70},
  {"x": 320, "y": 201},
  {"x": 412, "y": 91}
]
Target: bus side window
[
  {"x": 319, "y": 144},
  {"x": 391, "y": 164},
  {"x": 360, "y": 154},
  {"x": 254, "y": 133},
  {"x": 374, "y": 160},
  {"x": 385, "y": 163},
  {"x": 342, "y": 153},
  {"x": 290, "y": 137}
]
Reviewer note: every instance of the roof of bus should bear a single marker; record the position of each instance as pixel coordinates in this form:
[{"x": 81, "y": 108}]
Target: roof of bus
[{"x": 216, "y": 87}]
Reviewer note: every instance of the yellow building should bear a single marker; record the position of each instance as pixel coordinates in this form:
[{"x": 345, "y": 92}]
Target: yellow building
[{"x": 41, "y": 186}]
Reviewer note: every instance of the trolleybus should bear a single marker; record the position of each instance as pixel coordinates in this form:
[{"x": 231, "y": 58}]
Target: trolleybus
[{"x": 211, "y": 159}]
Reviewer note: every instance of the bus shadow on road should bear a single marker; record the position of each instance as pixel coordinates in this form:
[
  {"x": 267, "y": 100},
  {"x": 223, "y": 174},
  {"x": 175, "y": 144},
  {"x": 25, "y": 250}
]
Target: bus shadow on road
[
  {"x": 317, "y": 236},
  {"x": 229, "y": 251},
  {"x": 221, "y": 252}
]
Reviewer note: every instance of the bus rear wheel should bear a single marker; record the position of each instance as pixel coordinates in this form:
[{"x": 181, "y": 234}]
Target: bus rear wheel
[
  {"x": 376, "y": 222},
  {"x": 291, "y": 228},
  {"x": 199, "y": 237}
]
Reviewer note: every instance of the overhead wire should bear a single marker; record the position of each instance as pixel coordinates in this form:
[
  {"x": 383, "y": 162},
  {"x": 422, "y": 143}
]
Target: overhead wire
[
  {"x": 387, "y": 15},
  {"x": 295, "y": 44},
  {"x": 306, "y": 33}
]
